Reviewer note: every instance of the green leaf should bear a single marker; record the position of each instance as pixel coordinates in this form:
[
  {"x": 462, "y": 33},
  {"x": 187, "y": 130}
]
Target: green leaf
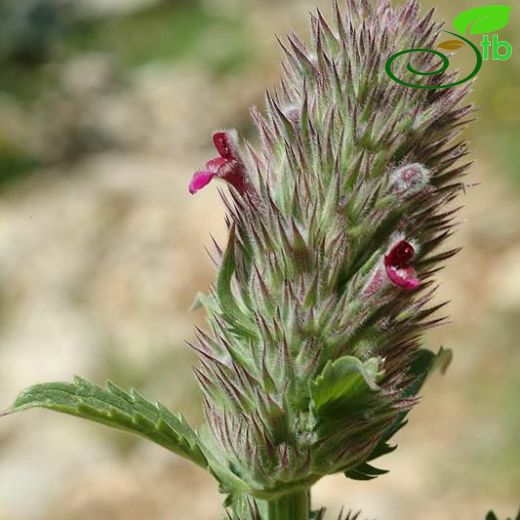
[
  {"x": 114, "y": 407},
  {"x": 344, "y": 386},
  {"x": 442, "y": 360},
  {"x": 423, "y": 366},
  {"x": 425, "y": 363},
  {"x": 365, "y": 471},
  {"x": 481, "y": 20}
]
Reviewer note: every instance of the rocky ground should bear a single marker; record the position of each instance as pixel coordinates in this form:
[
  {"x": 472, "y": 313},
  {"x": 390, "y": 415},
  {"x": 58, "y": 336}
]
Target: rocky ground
[{"x": 101, "y": 254}]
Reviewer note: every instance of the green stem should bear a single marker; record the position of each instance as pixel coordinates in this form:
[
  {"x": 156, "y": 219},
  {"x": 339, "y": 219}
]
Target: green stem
[{"x": 295, "y": 506}]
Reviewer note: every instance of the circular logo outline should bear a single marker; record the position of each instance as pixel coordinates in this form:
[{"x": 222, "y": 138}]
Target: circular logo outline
[{"x": 444, "y": 66}]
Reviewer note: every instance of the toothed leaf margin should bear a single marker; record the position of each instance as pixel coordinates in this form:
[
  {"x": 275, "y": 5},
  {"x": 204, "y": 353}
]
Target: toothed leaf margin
[{"x": 114, "y": 407}]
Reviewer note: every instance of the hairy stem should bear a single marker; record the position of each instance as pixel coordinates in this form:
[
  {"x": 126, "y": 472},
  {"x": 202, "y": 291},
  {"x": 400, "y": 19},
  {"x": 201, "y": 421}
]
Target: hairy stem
[{"x": 295, "y": 506}]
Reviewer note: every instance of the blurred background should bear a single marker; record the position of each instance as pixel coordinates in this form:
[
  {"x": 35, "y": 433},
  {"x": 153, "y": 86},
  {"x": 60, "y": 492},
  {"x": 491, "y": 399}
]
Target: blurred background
[{"x": 106, "y": 109}]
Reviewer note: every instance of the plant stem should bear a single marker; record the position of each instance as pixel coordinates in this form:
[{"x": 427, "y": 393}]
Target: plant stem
[{"x": 295, "y": 506}]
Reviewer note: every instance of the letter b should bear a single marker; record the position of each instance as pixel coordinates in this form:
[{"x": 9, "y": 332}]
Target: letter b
[{"x": 497, "y": 44}]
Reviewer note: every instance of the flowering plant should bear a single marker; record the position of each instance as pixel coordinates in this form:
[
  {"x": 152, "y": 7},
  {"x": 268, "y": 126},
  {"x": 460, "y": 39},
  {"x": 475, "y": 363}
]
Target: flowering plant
[{"x": 337, "y": 223}]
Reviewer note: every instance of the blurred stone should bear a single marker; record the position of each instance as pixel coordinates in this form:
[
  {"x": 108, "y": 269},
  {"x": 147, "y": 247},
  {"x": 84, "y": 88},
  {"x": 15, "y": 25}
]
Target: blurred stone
[
  {"x": 88, "y": 74},
  {"x": 178, "y": 99},
  {"x": 121, "y": 119}
]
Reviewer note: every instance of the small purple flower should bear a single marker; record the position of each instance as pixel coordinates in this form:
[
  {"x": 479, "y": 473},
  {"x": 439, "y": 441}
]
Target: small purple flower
[
  {"x": 399, "y": 270},
  {"x": 227, "y": 166}
]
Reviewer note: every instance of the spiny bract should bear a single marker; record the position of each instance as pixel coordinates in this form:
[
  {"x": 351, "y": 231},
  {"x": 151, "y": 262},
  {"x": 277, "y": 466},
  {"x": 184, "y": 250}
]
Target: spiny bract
[{"x": 336, "y": 225}]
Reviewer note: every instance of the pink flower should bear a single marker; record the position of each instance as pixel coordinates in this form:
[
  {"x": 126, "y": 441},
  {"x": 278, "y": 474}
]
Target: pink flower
[
  {"x": 395, "y": 267},
  {"x": 398, "y": 266},
  {"x": 227, "y": 166}
]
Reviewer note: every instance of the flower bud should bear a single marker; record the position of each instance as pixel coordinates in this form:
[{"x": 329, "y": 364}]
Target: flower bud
[{"x": 410, "y": 179}]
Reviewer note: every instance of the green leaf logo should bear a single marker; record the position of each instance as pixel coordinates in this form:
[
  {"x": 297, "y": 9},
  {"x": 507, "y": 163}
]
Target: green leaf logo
[{"x": 481, "y": 20}]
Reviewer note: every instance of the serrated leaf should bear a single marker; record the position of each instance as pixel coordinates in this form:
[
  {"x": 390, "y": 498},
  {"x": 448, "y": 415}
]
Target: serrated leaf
[
  {"x": 343, "y": 386},
  {"x": 112, "y": 406},
  {"x": 451, "y": 45},
  {"x": 481, "y": 20}
]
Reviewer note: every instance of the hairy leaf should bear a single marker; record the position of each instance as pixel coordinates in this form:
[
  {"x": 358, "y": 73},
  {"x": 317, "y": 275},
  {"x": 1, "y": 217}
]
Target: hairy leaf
[
  {"x": 117, "y": 408},
  {"x": 344, "y": 386}
]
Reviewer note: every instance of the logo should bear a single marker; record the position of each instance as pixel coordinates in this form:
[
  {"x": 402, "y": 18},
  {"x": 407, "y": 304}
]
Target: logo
[{"x": 480, "y": 20}]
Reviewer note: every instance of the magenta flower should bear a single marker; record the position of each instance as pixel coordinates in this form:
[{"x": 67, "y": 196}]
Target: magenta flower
[
  {"x": 227, "y": 166},
  {"x": 398, "y": 266},
  {"x": 394, "y": 267}
]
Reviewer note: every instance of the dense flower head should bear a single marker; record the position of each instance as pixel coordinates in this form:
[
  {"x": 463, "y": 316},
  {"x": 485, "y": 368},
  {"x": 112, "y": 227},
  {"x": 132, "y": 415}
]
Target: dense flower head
[{"x": 323, "y": 289}]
